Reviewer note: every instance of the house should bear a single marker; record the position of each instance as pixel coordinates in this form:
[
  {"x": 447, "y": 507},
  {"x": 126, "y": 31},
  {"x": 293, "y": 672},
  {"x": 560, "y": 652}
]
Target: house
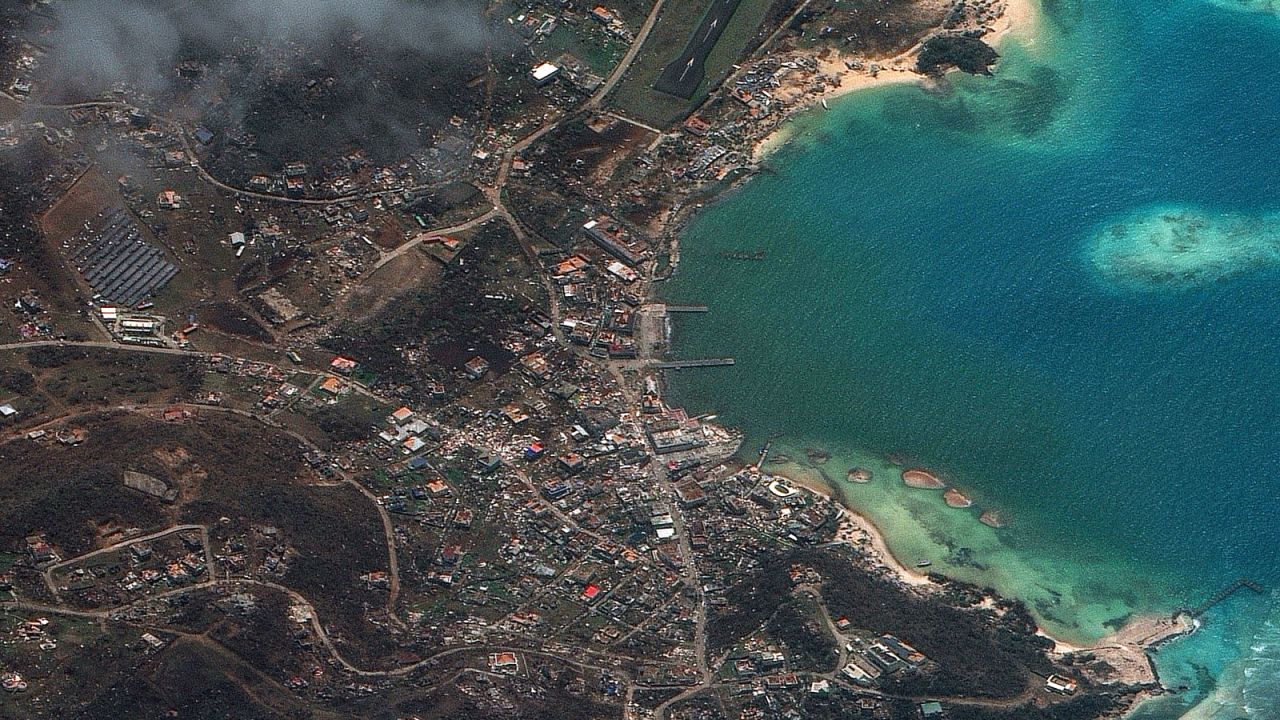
[
  {"x": 536, "y": 367},
  {"x": 1060, "y": 685},
  {"x": 332, "y": 385},
  {"x": 534, "y": 450},
  {"x": 591, "y": 592},
  {"x": 476, "y": 367},
  {"x": 931, "y": 710},
  {"x": 697, "y": 126},
  {"x": 204, "y": 135},
  {"x": 401, "y": 416},
  {"x": 451, "y": 555},
  {"x": 169, "y": 200},
  {"x": 237, "y": 240},
  {"x": 7, "y": 411},
  {"x": 572, "y": 463},
  {"x": 515, "y": 414},
  {"x": 488, "y": 462},
  {"x": 544, "y": 73},
  {"x": 343, "y": 365}
]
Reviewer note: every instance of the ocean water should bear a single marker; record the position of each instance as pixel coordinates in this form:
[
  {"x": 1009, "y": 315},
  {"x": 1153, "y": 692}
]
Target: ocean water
[{"x": 1059, "y": 288}]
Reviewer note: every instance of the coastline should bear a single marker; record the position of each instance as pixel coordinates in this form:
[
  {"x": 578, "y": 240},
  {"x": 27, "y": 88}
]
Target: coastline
[
  {"x": 840, "y": 76},
  {"x": 1126, "y": 651},
  {"x": 858, "y": 529}
]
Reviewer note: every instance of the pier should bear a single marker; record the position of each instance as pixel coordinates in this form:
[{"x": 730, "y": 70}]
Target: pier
[
  {"x": 681, "y": 364},
  {"x": 1223, "y": 594},
  {"x": 687, "y": 308}
]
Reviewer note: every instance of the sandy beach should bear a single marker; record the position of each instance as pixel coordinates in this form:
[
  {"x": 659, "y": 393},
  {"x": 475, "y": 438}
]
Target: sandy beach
[
  {"x": 1019, "y": 19},
  {"x": 857, "y": 529},
  {"x": 1126, "y": 649}
]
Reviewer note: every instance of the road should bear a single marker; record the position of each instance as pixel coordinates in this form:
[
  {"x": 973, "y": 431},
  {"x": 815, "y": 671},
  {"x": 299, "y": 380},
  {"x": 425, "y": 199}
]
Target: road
[{"x": 417, "y": 240}]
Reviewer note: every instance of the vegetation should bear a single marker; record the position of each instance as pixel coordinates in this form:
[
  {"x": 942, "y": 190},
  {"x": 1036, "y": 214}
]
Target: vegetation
[
  {"x": 969, "y": 54},
  {"x": 808, "y": 641},
  {"x": 979, "y": 653}
]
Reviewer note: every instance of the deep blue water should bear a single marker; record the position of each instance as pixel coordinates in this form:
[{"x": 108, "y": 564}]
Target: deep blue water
[{"x": 929, "y": 293}]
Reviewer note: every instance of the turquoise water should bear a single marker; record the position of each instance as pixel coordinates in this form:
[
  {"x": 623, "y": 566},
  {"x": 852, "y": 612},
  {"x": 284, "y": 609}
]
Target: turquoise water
[{"x": 1059, "y": 287}]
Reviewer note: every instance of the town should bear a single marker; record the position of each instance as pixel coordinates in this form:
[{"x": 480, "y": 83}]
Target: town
[{"x": 378, "y": 424}]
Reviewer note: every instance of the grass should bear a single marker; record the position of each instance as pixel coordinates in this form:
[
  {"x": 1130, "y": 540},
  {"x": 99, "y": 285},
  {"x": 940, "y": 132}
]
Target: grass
[{"x": 635, "y": 95}]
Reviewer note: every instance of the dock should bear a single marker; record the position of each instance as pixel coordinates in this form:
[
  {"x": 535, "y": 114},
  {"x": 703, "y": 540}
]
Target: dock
[
  {"x": 681, "y": 364},
  {"x": 1226, "y": 592},
  {"x": 687, "y": 308}
]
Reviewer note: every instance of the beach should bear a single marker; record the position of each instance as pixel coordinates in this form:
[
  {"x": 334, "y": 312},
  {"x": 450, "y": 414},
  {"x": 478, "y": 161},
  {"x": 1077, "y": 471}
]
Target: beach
[
  {"x": 1125, "y": 652},
  {"x": 929, "y": 299},
  {"x": 836, "y": 75},
  {"x": 858, "y": 529}
]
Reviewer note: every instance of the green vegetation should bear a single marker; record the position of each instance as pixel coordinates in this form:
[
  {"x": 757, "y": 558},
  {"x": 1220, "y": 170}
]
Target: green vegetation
[
  {"x": 968, "y": 54},
  {"x": 797, "y": 626},
  {"x": 979, "y": 653}
]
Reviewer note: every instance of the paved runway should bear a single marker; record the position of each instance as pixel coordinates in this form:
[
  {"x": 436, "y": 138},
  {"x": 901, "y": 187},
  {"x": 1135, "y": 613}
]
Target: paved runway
[{"x": 684, "y": 74}]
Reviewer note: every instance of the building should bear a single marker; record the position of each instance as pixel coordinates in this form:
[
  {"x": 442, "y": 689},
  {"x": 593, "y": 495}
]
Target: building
[
  {"x": 504, "y": 662},
  {"x": 545, "y": 73},
  {"x": 607, "y": 241},
  {"x": 476, "y": 367},
  {"x": 931, "y": 710},
  {"x": 344, "y": 365},
  {"x": 1060, "y": 685}
]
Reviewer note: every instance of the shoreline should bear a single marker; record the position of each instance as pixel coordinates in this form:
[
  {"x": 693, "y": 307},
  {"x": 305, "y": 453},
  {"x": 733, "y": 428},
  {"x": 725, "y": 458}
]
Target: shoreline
[
  {"x": 813, "y": 80},
  {"x": 1127, "y": 650},
  {"x": 848, "y": 75},
  {"x": 852, "y": 523}
]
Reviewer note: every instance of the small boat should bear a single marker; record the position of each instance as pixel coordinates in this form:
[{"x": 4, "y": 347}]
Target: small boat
[
  {"x": 924, "y": 563},
  {"x": 824, "y": 104}
]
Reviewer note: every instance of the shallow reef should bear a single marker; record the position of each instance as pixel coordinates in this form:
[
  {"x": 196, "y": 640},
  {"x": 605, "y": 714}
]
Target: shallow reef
[{"x": 1176, "y": 247}]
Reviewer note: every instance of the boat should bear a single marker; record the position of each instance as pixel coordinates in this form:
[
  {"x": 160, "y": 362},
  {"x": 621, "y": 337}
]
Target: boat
[
  {"x": 824, "y": 104},
  {"x": 924, "y": 563}
]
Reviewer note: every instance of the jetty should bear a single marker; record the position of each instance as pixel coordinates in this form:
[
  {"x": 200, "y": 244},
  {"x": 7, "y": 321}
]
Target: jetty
[
  {"x": 743, "y": 254},
  {"x": 687, "y": 308},
  {"x": 681, "y": 364},
  {"x": 1226, "y": 592}
]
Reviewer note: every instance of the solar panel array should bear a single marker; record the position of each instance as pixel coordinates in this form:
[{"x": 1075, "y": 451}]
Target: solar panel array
[{"x": 121, "y": 266}]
